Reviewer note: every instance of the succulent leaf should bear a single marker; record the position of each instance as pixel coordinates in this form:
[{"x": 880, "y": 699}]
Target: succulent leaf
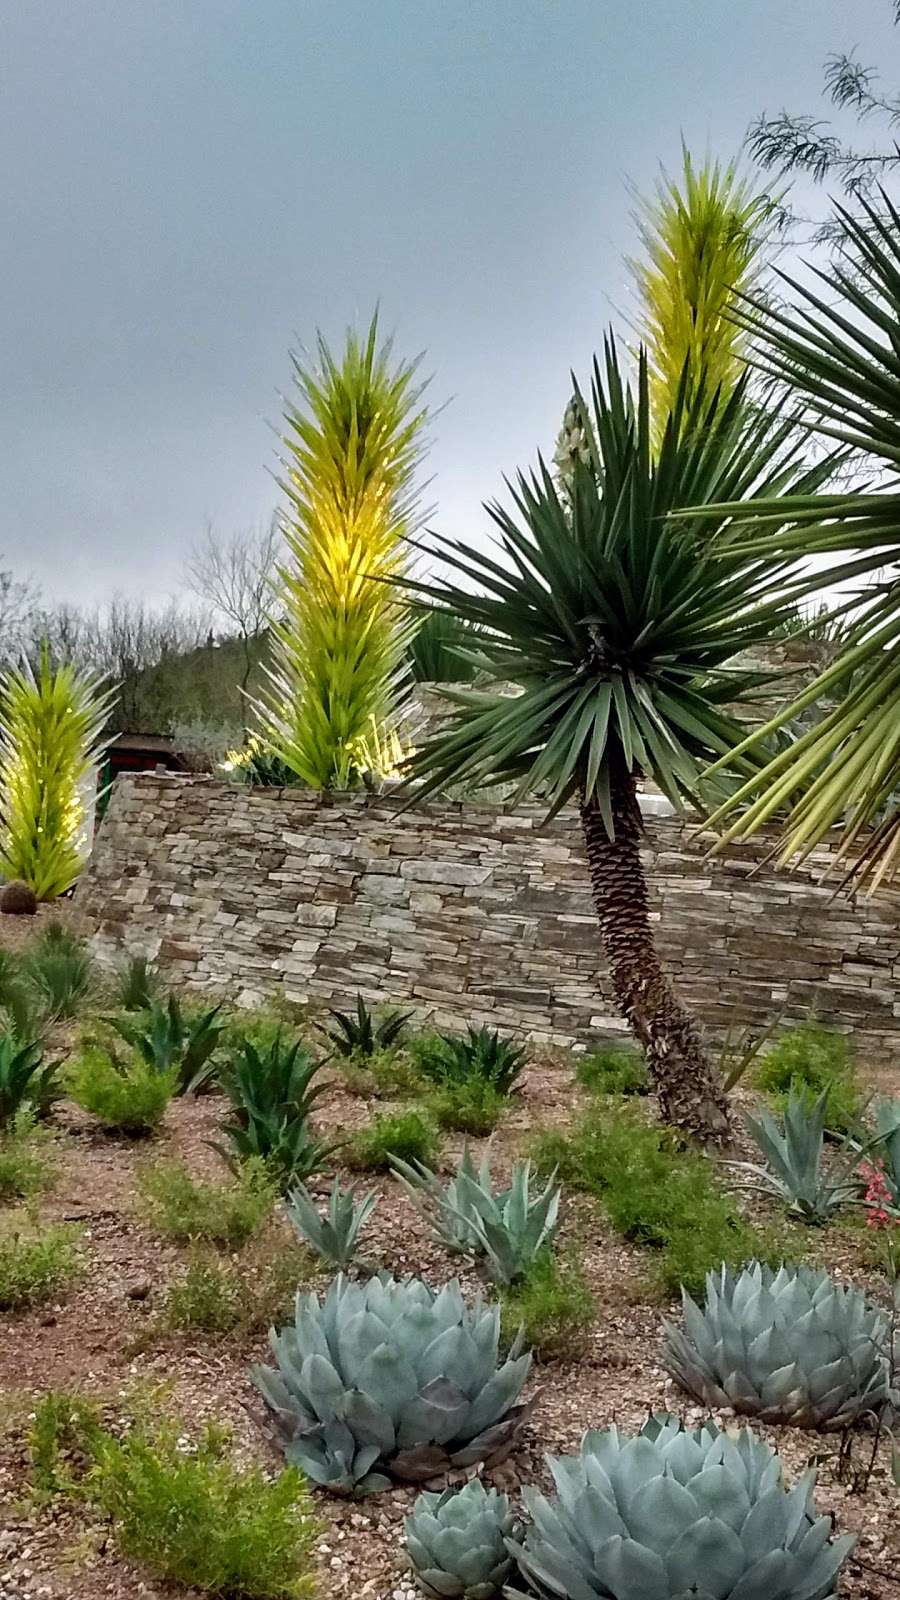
[
  {"x": 787, "y": 1346},
  {"x": 673, "y": 1515},
  {"x": 387, "y": 1373},
  {"x": 508, "y": 1228}
]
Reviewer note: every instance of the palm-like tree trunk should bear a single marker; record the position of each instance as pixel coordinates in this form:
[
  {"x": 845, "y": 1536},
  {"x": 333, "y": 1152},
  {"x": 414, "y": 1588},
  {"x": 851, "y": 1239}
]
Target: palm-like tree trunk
[{"x": 690, "y": 1093}]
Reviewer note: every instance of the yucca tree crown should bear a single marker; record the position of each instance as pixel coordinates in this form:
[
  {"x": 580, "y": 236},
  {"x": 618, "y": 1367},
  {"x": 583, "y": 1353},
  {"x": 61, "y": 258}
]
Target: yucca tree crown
[{"x": 616, "y": 620}]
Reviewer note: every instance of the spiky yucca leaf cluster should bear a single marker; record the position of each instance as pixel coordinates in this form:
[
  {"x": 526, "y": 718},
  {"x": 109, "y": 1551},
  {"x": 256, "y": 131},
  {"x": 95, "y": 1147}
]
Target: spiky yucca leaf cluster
[
  {"x": 340, "y": 635},
  {"x": 51, "y": 723},
  {"x": 704, "y": 239},
  {"x": 787, "y": 1346},
  {"x": 614, "y": 664},
  {"x": 838, "y": 353},
  {"x": 390, "y": 1375},
  {"x": 456, "y": 1542},
  {"x": 672, "y": 1515}
]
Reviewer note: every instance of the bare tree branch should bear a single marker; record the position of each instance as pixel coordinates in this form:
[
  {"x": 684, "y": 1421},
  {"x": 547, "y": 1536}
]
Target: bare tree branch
[
  {"x": 790, "y": 143},
  {"x": 19, "y": 602},
  {"x": 234, "y": 576}
]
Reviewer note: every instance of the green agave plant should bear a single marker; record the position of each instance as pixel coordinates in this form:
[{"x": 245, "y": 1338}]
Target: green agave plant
[
  {"x": 391, "y": 1377},
  {"x": 26, "y": 1081},
  {"x": 509, "y": 1228},
  {"x": 456, "y": 1542},
  {"x": 168, "y": 1039},
  {"x": 272, "y": 1092},
  {"x": 789, "y": 1346},
  {"x": 335, "y": 1236},
  {"x": 361, "y": 1033},
  {"x": 794, "y": 1170},
  {"x": 479, "y": 1053},
  {"x": 677, "y": 1515},
  {"x": 340, "y": 633},
  {"x": 51, "y": 728}
]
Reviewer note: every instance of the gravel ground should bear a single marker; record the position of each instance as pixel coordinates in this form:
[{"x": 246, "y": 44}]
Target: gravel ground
[{"x": 103, "y": 1337}]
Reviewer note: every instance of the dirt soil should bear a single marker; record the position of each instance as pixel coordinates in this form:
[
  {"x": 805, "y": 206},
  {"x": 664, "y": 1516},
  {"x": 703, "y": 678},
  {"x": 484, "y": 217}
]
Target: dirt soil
[{"x": 103, "y": 1337}]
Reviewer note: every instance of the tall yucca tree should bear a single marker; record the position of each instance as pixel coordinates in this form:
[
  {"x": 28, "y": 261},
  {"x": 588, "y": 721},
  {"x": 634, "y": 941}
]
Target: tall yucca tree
[
  {"x": 353, "y": 443},
  {"x": 843, "y": 358},
  {"x": 705, "y": 237},
  {"x": 51, "y": 726},
  {"x": 619, "y": 624}
]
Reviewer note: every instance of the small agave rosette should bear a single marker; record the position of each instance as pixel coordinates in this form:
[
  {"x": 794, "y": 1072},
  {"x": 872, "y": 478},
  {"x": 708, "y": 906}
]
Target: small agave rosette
[
  {"x": 788, "y": 1346},
  {"x": 456, "y": 1542},
  {"x": 389, "y": 1376},
  {"x": 673, "y": 1515}
]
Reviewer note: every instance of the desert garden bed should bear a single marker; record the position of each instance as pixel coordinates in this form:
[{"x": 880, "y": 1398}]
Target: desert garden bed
[{"x": 116, "y": 1335}]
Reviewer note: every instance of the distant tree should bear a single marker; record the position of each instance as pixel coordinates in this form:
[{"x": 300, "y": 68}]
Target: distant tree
[
  {"x": 130, "y": 647},
  {"x": 234, "y": 575},
  {"x": 789, "y": 143},
  {"x": 19, "y": 602}
]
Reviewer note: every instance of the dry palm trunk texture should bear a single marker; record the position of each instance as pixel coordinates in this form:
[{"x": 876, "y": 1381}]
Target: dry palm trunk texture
[{"x": 690, "y": 1093}]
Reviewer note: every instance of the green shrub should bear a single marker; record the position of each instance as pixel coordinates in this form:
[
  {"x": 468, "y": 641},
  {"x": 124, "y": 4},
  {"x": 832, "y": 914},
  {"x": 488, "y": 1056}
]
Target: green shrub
[
  {"x": 616, "y": 1069},
  {"x": 24, "y": 1167},
  {"x": 654, "y": 1193},
  {"x": 811, "y": 1058},
  {"x": 480, "y": 1053},
  {"x": 272, "y": 1092},
  {"x": 403, "y": 1135},
  {"x": 185, "y": 1207},
  {"x": 207, "y": 1298},
  {"x": 473, "y": 1106},
  {"x": 20, "y": 1010},
  {"x": 553, "y": 1305},
  {"x": 26, "y": 1082},
  {"x": 60, "y": 970},
  {"x": 61, "y": 1440},
  {"x": 388, "y": 1074},
  {"x": 136, "y": 983},
  {"x": 260, "y": 1026},
  {"x": 194, "y": 1518},
  {"x": 35, "y": 1261},
  {"x": 128, "y": 1097},
  {"x": 245, "y": 1297},
  {"x": 170, "y": 1038}
]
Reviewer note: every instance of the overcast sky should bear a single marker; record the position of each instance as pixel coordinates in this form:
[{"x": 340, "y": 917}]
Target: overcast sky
[{"x": 191, "y": 187}]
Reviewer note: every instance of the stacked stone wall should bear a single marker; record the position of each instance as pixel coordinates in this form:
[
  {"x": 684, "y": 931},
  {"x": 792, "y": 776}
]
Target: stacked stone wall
[{"x": 468, "y": 913}]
